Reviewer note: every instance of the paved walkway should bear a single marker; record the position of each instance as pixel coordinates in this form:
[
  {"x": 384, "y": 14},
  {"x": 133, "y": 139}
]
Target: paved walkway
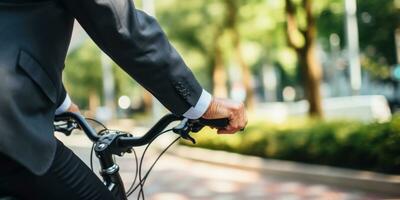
[{"x": 179, "y": 179}]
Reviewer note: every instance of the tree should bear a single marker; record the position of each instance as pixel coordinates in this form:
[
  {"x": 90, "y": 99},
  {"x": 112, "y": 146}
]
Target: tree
[
  {"x": 302, "y": 40},
  {"x": 196, "y": 30},
  {"x": 219, "y": 76},
  {"x": 231, "y": 24},
  {"x": 377, "y": 21},
  {"x": 83, "y": 76}
]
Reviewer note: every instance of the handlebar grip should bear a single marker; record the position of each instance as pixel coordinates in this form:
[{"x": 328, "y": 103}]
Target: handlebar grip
[{"x": 217, "y": 123}]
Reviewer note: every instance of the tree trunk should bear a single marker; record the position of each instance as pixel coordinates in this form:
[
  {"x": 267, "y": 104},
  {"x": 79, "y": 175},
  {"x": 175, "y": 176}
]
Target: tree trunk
[
  {"x": 94, "y": 103},
  {"x": 219, "y": 73},
  {"x": 306, "y": 54},
  {"x": 231, "y": 23},
  {"x": 313, "y": 66},
  {"x": 246, "y": 74},
  {"x": 311, "y": 70}
]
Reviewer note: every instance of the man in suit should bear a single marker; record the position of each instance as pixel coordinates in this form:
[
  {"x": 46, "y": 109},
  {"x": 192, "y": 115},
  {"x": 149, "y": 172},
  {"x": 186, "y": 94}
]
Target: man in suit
[{"x": 34, "y": 38}]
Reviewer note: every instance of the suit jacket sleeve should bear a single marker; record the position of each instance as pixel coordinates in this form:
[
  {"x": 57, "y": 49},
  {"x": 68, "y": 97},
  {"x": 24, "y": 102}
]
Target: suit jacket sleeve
[
  {"x": 63, "y": 101},
  {"x": 136, "y": 42},
  {"x": 63, "y": 95}
]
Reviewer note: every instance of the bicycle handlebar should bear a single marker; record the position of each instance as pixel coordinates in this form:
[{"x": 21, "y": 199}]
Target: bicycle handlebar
[
  {"x": 83, "y": 124},
  {"x": 217, "y": 123},
  {"x": 154, "y": 132}
]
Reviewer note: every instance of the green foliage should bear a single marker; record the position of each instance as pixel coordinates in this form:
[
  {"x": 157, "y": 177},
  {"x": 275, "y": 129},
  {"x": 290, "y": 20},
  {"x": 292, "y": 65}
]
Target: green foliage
[
  {"x": 332, "y": 21},
  {"x": 194, "y": 27},
  {"x": 377, "y": 21},
  {"x": 125, "y": 85},
  {"x": 83, "y": 76},
  {"x": 83, "y": 73},
  {"x": 348, "y": 144}
]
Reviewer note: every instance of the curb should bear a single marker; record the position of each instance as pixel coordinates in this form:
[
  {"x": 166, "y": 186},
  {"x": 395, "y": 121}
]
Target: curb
[{"x": 355, "y": 179}]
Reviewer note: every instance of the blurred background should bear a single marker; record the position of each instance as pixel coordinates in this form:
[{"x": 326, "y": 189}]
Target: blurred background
[{"x": 320, "y": 79}]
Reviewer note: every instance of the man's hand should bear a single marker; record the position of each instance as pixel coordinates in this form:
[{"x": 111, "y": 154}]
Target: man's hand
[
  {"x": 73, "y": 108},
  {"x": 225, "y": 108}
]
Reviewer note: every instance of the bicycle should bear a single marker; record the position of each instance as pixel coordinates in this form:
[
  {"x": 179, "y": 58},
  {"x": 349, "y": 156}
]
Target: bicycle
[{"x": 107, "y": 143}]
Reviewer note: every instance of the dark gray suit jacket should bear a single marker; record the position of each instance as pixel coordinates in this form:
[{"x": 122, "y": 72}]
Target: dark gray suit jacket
[{"x": 34, "y": 38}]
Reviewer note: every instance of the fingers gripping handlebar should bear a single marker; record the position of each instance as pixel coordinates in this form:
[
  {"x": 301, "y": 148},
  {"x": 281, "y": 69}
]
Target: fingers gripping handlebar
[{"x": 186, "y": 126}]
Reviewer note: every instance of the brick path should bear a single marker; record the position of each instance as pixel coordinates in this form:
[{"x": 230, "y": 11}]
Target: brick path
[{"x": 179, "y": 179}]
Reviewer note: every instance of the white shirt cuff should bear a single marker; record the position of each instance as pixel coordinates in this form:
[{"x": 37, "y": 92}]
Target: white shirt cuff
[
  {"x": 64, "y": 106},
  {"x": 201, "y": 106}
]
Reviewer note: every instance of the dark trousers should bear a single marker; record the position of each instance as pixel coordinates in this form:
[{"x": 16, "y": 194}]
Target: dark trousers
[{"x": 67, "y": 179}]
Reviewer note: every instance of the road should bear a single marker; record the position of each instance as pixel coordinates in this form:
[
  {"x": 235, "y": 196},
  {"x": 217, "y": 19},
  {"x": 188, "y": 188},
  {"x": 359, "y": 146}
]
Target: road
[{"x": 175, "y": 178}]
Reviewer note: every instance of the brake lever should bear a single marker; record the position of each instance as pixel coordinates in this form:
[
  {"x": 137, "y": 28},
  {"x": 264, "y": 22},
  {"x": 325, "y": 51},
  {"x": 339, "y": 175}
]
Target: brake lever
[
  {"x": 183, "y": 129},
  {"x": 186, "y": 136},
  {"x": 66, "y": 128},
  {"x": 195, "y": 125}
]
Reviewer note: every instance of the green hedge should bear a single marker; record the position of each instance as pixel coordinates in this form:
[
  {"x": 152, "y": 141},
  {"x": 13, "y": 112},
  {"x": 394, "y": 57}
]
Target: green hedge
[{"x": 374, "y": 146}]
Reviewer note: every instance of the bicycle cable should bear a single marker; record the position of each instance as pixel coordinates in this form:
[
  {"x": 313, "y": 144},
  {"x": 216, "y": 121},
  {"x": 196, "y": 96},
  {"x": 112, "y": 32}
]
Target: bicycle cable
[
  {"x": 143, "y": 179},
  {"x": 152, "y": 166},
  {"x": 92, "y": 149},
  {"x": 141, "y": 182},
  {"x": 139, "y": 164},
  {"x": 139, "y": 169},
  {"x": 136, "y": 171}
]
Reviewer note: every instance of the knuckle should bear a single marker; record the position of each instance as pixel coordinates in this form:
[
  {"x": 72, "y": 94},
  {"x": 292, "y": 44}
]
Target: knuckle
[{"x": 238, "y": 106}]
